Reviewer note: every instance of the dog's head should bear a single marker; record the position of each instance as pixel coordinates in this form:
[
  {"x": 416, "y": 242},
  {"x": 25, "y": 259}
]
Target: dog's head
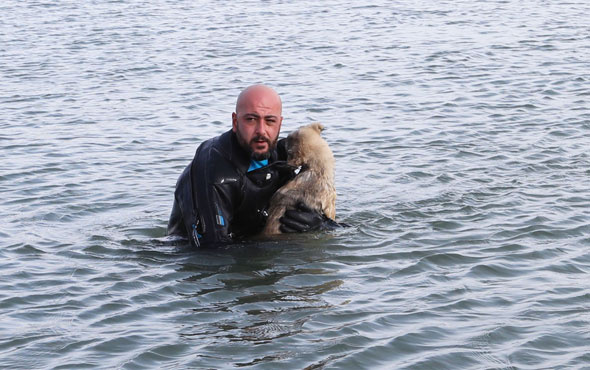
[{"x": 306, "y": 146}]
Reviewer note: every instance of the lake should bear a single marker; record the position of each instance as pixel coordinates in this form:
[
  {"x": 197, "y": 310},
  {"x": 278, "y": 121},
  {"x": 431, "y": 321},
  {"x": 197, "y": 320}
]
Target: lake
[{"x": 461, "y": 131}]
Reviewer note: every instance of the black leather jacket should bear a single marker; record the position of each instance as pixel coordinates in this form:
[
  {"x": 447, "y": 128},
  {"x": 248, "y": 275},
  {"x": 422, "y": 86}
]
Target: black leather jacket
[{"x": 217, "y": 200}]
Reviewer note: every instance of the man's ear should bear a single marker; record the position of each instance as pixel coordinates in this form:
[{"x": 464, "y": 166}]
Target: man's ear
[{"x": 234, "y": 122}]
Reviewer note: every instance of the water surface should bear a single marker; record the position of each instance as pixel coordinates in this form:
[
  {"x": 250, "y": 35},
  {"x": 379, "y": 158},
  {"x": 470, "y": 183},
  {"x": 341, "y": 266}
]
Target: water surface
[{"x": 461, "y": 133}]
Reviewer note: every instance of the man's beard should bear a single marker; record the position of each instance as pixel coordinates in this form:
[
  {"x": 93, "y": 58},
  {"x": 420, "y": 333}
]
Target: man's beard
[{"x": 248, "y": 148}]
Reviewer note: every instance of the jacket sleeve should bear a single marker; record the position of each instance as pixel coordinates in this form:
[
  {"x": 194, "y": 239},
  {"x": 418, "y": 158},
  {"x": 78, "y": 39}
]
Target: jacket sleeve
[
  {"x": 216, "y": 191},
  {"x": 184, "y": 218},
  {"x": 176, "y": 222},
  {"x": 204, "y": 200}
]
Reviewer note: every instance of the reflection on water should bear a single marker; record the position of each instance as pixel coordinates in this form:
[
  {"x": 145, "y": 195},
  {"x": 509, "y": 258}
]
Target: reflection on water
[{"x": 254, "y": 293}]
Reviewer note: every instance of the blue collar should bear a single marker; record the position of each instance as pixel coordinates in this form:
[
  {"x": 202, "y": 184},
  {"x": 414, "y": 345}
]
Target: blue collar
[{"x": 254, "y": 164}]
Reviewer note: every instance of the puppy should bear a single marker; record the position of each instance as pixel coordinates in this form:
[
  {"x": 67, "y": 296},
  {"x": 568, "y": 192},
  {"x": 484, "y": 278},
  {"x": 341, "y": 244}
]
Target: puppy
[{"x": 314, "y": 185}]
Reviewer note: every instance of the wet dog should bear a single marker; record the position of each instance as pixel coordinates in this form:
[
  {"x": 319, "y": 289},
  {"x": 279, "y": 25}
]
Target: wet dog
[{"x": 313, "y": 186}]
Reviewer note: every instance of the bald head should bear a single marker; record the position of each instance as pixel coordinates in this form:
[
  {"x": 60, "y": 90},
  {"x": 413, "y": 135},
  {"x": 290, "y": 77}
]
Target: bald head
[
  {"x": 257, "y": 120},
  {"x": 261, "y": 95}
]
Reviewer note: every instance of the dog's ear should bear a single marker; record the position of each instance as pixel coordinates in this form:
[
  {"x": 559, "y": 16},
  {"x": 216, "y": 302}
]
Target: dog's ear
[{"x": 317, "y": 126}]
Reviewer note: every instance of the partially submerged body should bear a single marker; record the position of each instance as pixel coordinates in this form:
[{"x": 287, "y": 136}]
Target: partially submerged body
[
  {"x": 222, "y": 195},
  {"x": 217, "y": 200}
]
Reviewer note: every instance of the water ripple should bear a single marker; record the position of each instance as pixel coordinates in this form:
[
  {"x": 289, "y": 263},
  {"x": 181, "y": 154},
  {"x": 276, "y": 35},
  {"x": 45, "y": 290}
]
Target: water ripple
[{"x": 460, "y": 132}]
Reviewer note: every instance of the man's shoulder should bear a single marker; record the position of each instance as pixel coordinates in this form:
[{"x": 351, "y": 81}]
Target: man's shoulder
[
  {"x": 215, "y": 147},
  {"x": 219, "y": 157},
  {"x": 218, "y": 142}
]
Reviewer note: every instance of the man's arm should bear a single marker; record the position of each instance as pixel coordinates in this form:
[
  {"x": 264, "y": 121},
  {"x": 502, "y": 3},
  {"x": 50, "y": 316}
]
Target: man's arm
[
  {"x": 204, "y": 199},
  {"x": 215, "y": 187}
]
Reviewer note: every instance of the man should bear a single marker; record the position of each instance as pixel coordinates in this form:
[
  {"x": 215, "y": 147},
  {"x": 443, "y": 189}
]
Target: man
[{"x": 222, "y": 195}]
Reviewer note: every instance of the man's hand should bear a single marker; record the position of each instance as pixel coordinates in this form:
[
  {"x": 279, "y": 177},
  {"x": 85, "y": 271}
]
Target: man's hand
[{"x": 302, "y": 219}]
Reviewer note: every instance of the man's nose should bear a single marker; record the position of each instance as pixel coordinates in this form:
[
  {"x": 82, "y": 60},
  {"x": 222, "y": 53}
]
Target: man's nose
[{"x": 260, "y": 127}]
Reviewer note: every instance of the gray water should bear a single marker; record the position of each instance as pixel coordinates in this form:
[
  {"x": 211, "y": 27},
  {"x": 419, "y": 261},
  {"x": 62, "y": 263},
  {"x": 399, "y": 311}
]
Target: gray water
[{"x": 461, "y": 131}]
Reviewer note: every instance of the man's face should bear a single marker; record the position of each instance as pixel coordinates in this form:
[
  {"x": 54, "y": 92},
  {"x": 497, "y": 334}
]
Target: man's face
[{"x": 257, "y": 123}]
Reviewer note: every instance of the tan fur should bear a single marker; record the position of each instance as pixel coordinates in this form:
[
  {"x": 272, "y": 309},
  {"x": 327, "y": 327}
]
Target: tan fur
[{"x": 314, "y": 186}]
